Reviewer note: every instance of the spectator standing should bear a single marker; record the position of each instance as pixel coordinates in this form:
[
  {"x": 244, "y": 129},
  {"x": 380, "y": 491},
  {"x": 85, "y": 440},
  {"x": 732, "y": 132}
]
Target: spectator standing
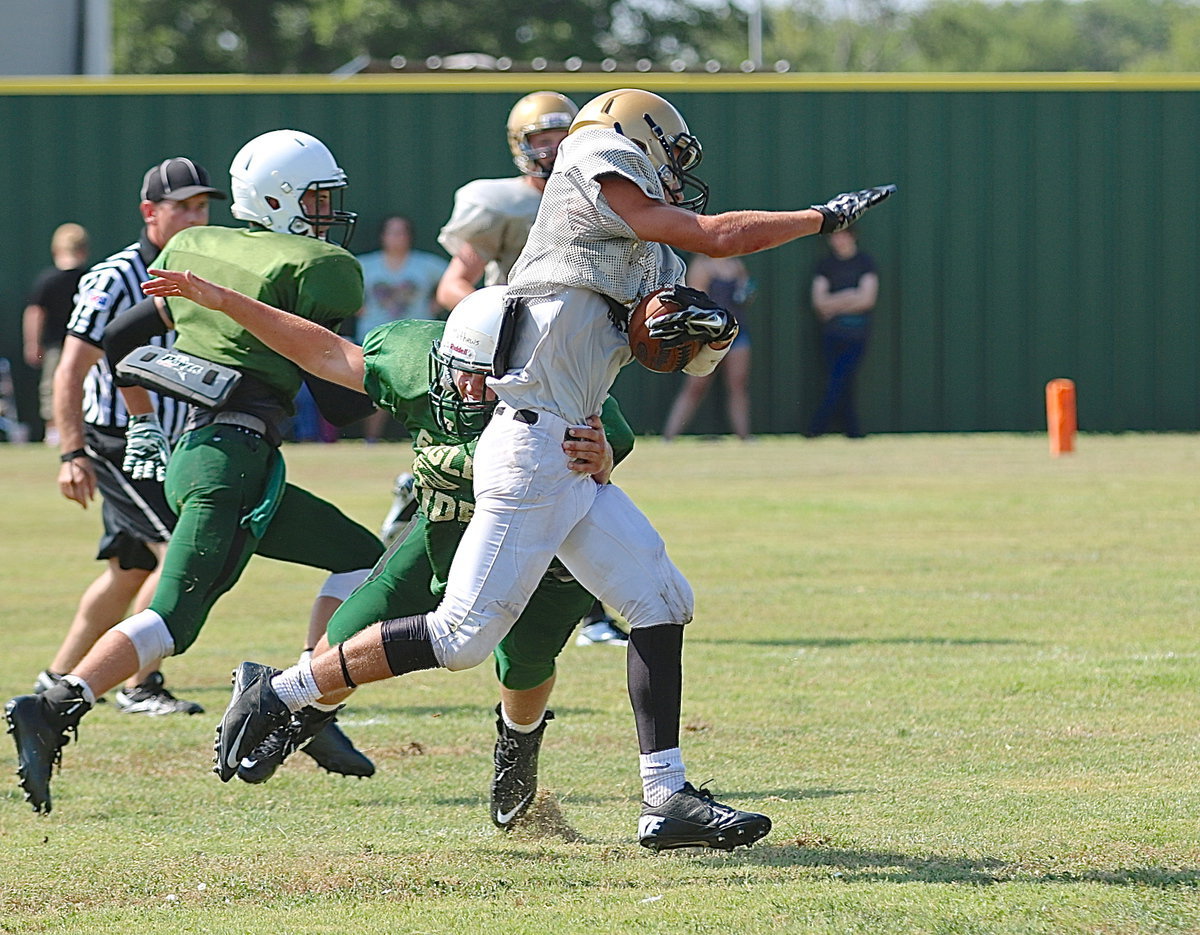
[
  {"x": 727, "y": 282},
  {"x": 398, "y": 281},
  {"x": 844, "y": 290},
  {"x": 44, "y": 323}
]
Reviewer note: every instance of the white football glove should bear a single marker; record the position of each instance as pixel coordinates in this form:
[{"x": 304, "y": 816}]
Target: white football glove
[{"x": 146, "y": 449}]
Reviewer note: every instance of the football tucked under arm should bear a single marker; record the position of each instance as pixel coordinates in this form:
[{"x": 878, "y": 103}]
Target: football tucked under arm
[
  {"x": 673, "y": 329},
  {"x": 696, "y": 318}
]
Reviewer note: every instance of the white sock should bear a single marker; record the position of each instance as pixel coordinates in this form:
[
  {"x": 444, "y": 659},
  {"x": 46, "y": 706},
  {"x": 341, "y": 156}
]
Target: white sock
[
  {"x": 521, "y": 728},
  {"x": 662, "y": 775},
  {"x": 323, "y": 707},
  {"x": 296, "y": 686},
  {"x": 88, "y": 695}
]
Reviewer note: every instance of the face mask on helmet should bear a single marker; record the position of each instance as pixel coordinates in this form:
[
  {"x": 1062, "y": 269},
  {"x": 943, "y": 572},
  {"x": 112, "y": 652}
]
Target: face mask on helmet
[
  {"x": 681, "y": 153},
  {"x": 271, "y": 176},
  {"x": 654, "y": 124},
  {"x": 537, "y": 113},
  {"x": 467, "y": 345}
]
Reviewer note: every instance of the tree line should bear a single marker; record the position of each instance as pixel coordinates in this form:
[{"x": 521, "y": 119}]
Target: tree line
[{"x": 319, "y": 36}]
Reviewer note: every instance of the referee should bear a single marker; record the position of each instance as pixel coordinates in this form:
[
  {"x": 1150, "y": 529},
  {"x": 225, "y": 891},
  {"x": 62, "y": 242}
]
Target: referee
[{"x": 91, "y": 423}]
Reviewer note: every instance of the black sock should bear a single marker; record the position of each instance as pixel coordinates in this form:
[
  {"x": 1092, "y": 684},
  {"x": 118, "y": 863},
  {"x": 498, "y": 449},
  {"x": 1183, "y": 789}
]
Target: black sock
[{"x": 654, "y": 669}]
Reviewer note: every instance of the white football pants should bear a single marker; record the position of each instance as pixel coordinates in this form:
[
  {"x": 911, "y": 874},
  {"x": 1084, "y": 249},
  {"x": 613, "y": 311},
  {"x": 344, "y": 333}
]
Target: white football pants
[{"x": 529, "y": 507}]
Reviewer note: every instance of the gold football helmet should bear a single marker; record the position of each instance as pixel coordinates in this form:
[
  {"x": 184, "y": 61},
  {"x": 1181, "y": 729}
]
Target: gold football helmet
[
  {"x": 654, "y": 124},
  {"x": 536, "y": 113}
]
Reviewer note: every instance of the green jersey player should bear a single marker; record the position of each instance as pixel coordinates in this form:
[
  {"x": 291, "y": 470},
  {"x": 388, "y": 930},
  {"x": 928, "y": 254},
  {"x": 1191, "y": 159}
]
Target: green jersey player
[{"x": 226, "y": 480}]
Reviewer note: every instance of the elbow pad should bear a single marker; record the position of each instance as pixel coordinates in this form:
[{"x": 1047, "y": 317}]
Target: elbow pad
[
  {"x": 130, "y": 330},
  {"x": 339, "y": 405}
]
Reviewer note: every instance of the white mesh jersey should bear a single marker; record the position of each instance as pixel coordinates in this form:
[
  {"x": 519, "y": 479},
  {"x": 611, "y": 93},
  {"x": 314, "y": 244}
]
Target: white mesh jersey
[
  {"x": 578, "y": 240},
  {"x": 494, "y": 217},
  {"x": 567, "y": 351}
]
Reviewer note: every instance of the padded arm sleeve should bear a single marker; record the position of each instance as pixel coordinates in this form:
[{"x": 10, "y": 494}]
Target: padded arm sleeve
[
  {"x": 130, "y": 330},
  {"x": 338, "y": 404}
]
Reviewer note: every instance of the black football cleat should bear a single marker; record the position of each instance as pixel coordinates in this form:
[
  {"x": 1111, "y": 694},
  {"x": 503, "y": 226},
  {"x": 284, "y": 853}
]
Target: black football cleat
[
  {"x": 334, "y": 752},
  {"x": 693, "y": 818},
  {"x": 516, "y": 760},
  {"x": 254, "y": 711},
  {"x": 316, "y": 733},
  {"x": 39, "y": 725},
  {"x": 152, "y": 697}
]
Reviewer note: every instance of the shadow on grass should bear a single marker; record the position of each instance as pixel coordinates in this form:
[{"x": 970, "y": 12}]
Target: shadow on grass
[
  {"x": 840, "y": 642},
  {"x": 484, "y": 713},
  {"x": 865, "y": 866},
  {"x": 746, "y": 800}
]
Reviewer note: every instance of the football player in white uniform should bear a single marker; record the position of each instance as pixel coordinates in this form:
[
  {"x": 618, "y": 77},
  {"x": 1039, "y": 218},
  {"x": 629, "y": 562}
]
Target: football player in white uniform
[
  {"x": 618, "y": 199},
  {"x": 487, "y": 231},
  {"x": 485, "y": 234}
]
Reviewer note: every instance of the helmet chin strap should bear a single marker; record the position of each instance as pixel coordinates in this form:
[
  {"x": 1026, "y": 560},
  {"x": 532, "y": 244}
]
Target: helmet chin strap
[{"x": 303, "y": 228}]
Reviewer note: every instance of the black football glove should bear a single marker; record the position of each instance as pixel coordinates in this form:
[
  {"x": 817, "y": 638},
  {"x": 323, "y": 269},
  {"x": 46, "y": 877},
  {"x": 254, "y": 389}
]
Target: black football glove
[
  {"x": 699, "y": 318},
  {"x": 843, "y": 210}
]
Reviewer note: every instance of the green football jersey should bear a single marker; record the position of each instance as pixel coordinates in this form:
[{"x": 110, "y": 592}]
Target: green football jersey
[
  {"x": 396, "y": 358},
  {"x": 302, "y": 275}
]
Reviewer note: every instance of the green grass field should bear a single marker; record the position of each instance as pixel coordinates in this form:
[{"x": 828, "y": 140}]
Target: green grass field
[{"x": 960, "y": 675}]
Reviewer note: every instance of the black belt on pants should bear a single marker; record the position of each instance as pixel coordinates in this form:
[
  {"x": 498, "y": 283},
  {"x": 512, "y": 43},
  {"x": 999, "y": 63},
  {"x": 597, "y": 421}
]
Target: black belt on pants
[{"x": 528, "y": 416}]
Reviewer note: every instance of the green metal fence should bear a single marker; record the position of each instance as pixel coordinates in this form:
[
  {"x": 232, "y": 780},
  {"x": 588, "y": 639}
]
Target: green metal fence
[{"x": 1044, "y": 227}]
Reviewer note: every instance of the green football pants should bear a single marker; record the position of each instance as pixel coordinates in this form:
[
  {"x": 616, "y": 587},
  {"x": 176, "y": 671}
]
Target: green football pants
[{"x": 217, "y": 476}]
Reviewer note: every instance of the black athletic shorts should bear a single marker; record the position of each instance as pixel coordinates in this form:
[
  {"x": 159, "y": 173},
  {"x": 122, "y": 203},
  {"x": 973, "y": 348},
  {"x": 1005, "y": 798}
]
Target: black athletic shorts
[{"x": 134, "y": 511}]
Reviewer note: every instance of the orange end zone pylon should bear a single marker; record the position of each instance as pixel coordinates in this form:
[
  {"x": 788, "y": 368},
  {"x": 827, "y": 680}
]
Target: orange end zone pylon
[{"x": 1060, "y": 416}]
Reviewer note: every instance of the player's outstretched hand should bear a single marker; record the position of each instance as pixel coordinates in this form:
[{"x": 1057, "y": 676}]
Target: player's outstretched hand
[
  {"x": 186, "y": 285},
  {"x": 843, "y": 210},
  {"x": 146, "y": 449}
]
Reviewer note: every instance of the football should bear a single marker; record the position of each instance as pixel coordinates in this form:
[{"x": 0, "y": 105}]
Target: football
[{"x": 649, "y": 352}]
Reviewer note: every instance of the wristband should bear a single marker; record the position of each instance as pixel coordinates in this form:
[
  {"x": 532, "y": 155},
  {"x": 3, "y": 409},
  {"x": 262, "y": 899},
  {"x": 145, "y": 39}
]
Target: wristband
[{"x": 72, "y": 455}]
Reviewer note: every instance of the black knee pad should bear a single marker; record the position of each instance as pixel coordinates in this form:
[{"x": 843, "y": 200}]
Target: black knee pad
[{"x": 406, "y": 644}]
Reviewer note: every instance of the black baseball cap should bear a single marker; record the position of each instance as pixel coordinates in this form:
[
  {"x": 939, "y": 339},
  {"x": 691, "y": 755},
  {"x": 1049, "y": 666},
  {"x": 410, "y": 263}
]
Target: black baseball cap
[{"x": 177, "y": 179}]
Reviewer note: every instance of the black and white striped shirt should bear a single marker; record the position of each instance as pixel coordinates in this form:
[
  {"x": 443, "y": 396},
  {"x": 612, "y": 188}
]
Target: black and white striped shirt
[{"x": 107, "y": 289}]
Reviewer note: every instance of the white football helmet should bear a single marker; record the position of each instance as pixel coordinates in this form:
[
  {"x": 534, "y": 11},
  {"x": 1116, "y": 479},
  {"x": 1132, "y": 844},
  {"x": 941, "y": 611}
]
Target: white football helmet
[
  {"x": 270, "y": 174},
  {"x": 654, "y": 124},
  {"x": 468, "y": 344},
  {"x": 536, "y": 113}
]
